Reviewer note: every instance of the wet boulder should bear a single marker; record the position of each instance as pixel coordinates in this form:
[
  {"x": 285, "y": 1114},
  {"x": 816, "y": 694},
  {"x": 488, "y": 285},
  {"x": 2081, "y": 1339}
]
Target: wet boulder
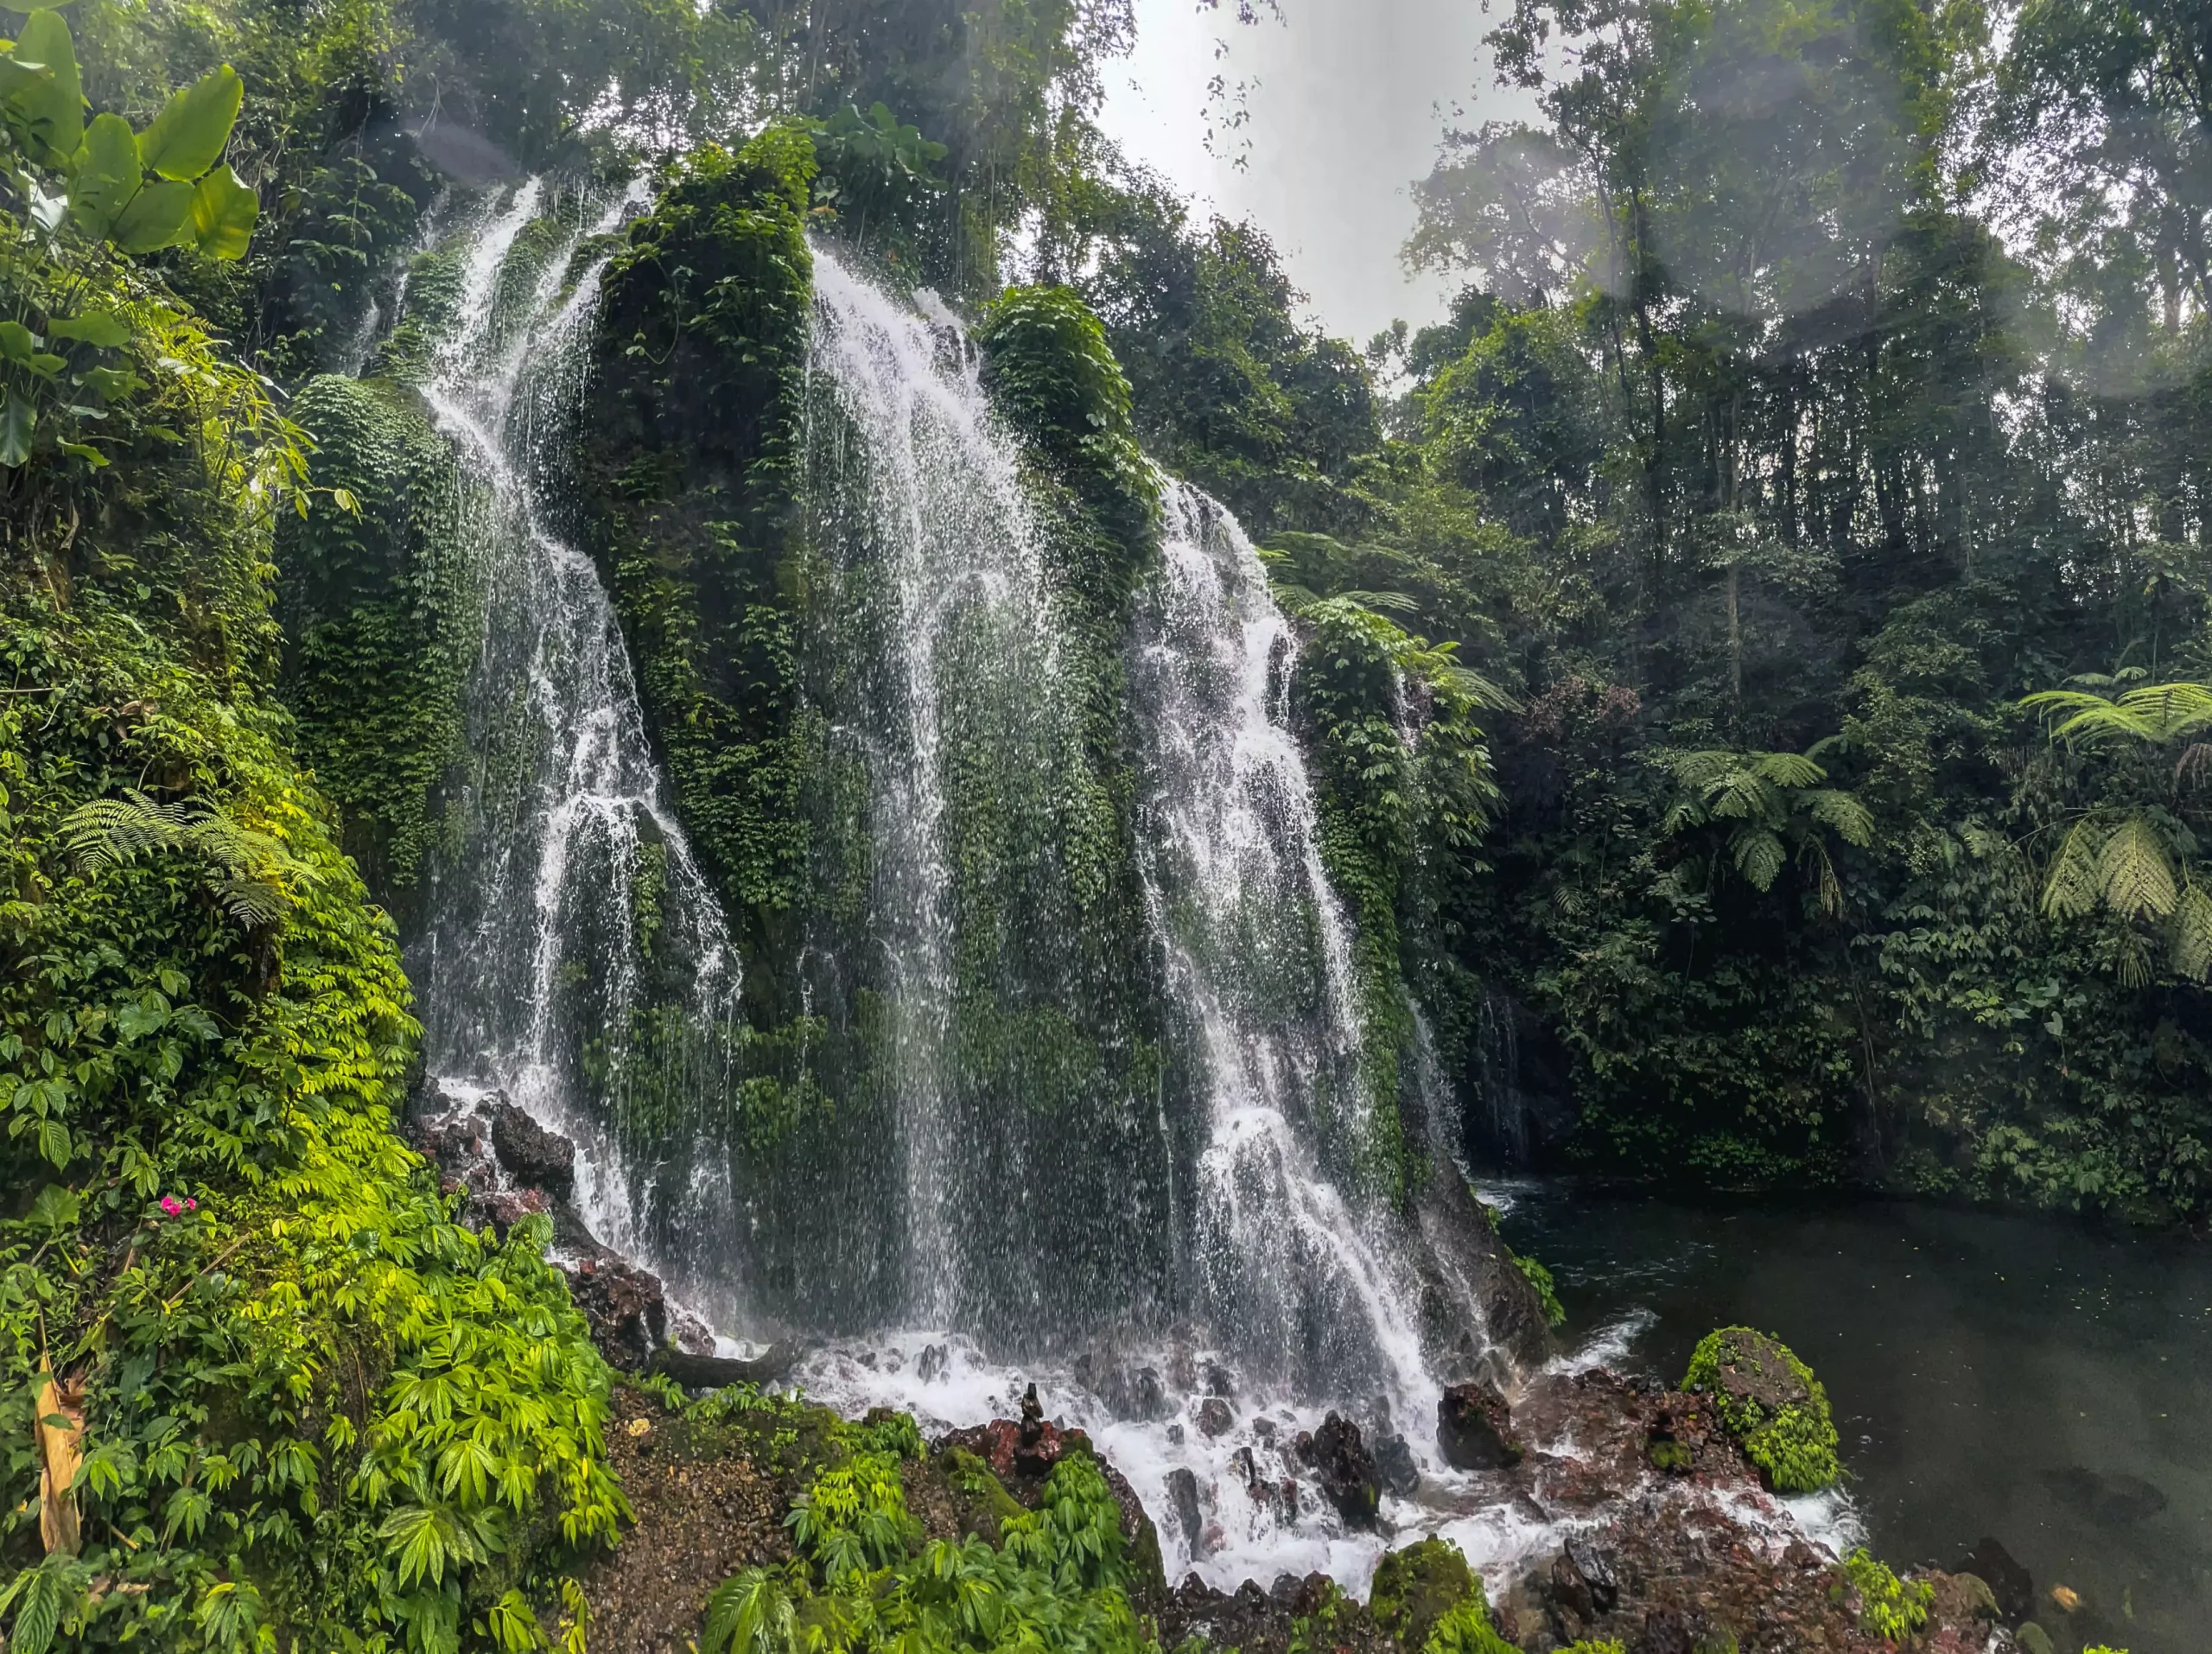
[
  {"x": 1474, "y": 1428},
  {"x": 1182, "y": 1498},
  {"x": 1346, "y": 1470},
  {"x": 2010, "y": 1584},
  {"x": 1215, "y": 1416},
  {"x": 702, "y": 1371},
  {"x": 1394, "y": 1460},
  {"x": 1770, "y": 1402},
  {"x": 530, "y": 1154},
  {"x": 624, "y": 1306}
]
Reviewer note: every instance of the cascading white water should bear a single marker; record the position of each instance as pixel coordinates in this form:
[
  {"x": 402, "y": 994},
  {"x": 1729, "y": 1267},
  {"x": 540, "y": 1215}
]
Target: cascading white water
[
  {"x": 564, "y": 834},
  {"x": 1243, "y": 912},
  {"x": 945, "y": 527},
  {"x": 540, "y": 973}
]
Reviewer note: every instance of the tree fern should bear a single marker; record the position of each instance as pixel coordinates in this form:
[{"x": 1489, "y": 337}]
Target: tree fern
[
  {"x": 248, "y": 872},
  {"x": 2134, "y": 875},
  {"x": 750, "y": 1613}
]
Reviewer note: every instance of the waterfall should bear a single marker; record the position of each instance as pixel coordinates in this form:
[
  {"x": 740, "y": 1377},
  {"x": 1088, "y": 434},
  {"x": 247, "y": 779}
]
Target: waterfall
[
  {"x": 572, "y": 956},
  {"x": 1111, "y": 1134},
  {"x": 1259, "y": 956}
]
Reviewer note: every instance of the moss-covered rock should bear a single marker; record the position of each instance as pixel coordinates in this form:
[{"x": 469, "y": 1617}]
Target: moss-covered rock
[
  {"x": 1415, "y": 1588},
  {"x": 380, "y": 620},
  {"x": 686, "y": 472},
  {"x": 1771, "y": 1403}
]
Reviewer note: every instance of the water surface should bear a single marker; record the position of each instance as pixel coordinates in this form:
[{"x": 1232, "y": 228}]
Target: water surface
[{"x": 2035, "y": 1380}]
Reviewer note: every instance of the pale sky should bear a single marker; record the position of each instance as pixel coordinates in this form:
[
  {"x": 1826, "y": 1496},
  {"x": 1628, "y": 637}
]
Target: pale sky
[{"x": 1347, "y": 99}]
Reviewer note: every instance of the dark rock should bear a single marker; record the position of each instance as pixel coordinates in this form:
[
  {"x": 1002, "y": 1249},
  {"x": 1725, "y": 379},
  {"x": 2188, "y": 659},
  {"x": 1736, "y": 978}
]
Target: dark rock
[
  {"x": 624, "y": 1306},
  {"x": 1033, "y": 1417},
  {"x": 2009, "y": 1582},
  {"x": 1182, "y": 1496},
  {"x": 1264, "y": 1428},
  {"x": 1395, "y": 1462},
  {"x": 1241, "y": 1463},
  {"x": 1289, "y": 1496},
  {"x": 1302, "y": 1446},
  {"x": 1573, "y": 1606},
  {"x": 1215, "y": 1416},
  {"x": 1666, "y": 1630},
  {"x": 1219, "y": 1380},
  {"x": 1346, "y": 1470},
  {"x": 1474, "y": 1428},
  {"x": 503, "y": 1209},
  {"x": 531, "y": 1155},
  {"x": 718, "y": 1371},
  {"x": 1584, "y": 1580},
  {"x": 931, "y": 1367},
  {"x": 1479, "y": 1315}
]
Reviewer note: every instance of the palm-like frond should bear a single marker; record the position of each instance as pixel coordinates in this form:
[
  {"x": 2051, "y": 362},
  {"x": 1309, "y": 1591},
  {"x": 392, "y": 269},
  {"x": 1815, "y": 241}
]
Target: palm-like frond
[
  {"x": 2155, "y": 714},
  {"x": 2134, "y": 874},
  {"x": 1843, "y": 815},
  {"x": 2072, "y": 888},
  {"x": 1758, "y": 856},
  {"x": 750, "y": 1613},
  {"x": 248, "y": 870},
  {"x": 1786, "y": 769},
  {"x": 2193, "y": 934}
]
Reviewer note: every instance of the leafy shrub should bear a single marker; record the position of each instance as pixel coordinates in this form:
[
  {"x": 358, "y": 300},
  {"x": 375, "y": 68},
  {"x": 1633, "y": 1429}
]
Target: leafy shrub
[
  {"x": 864, "y": 1580},
  {"x": 1888, "y": 1607}
]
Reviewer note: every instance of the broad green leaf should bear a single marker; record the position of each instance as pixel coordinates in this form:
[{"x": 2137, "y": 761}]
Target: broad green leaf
[
  {"x": 18, "y": 419},
  {"x": 14, "y": 76},
  {"x": 56, "y": 1207},
  {"x": 159, "y": 216},
  {"x": 108, "y": 174},
  {"x": 54, "y": 105},
  {"x": 101, "y": 328},
  {"x": 110, "y": 382},
  {"x": 17, "y": 343},
  {"x": 223, "y": 211},
  {"x": 188, "y": 136},
  {"x": 85, "y": 452}
]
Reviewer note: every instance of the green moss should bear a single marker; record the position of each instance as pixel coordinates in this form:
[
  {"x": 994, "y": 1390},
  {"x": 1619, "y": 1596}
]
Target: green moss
[
  {"x": 1889, "y": 1607},
  {"x": 688, "y": 474},
  {"x": 1415, "y": 1588},
  {"x": 380, "y": 619},
  {"x": 1770, "y": 1403},
  {"x": 1467, "y": 1630}
]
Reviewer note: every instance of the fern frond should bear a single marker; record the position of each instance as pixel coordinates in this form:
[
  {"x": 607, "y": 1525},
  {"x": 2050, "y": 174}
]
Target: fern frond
[
  {"x": 1842, "y": 814},
  {"x": 109, "y": 833},
  {"x": 1786, "y": 769},
  {"x": 2072, "y": 888},
  {"x": 1383, "y": 602},
  {"x": 1683, "y": 814},
  {"x": 1699, "y": 770},
  {"x": 2134, "y": 872},
  {"x": 2192, "y": 934},
  {"x": 1473, "y": 687},
  {"x": 2174, "y": 709},
  {"x": 1758, "y": 856},
  {"x": 1744, "y": 795}
]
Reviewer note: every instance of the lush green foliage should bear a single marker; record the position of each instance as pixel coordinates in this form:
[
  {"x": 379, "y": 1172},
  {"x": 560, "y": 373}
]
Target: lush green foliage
[
  {"x": 1770, "y": 1403},
  {"x": 1888, "y": 1607},
  {"x": 864, "y": 1579},
  {"x": 377, "y": 607}
]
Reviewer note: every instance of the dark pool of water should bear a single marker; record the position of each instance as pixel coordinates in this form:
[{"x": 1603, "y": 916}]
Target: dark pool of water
[{"x": 2039, "y": 1382}]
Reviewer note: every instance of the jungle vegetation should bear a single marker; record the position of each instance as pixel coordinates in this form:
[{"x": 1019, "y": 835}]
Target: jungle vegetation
[{"x": 1753, "y": 658}]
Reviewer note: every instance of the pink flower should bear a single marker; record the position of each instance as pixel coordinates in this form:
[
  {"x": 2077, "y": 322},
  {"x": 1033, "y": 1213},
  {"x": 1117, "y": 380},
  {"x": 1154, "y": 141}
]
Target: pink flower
[
  {"x": 191, "y": 1205},
  {"x": 171, "y": 1205}
]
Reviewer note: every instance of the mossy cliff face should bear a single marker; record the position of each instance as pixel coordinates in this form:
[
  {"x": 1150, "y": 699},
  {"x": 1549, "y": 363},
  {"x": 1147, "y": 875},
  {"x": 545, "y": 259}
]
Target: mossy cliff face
[
  {"x": 732, "y": 505},
  {"x": 378, "y": 610},
  {"x": 687, "y": 468}
]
